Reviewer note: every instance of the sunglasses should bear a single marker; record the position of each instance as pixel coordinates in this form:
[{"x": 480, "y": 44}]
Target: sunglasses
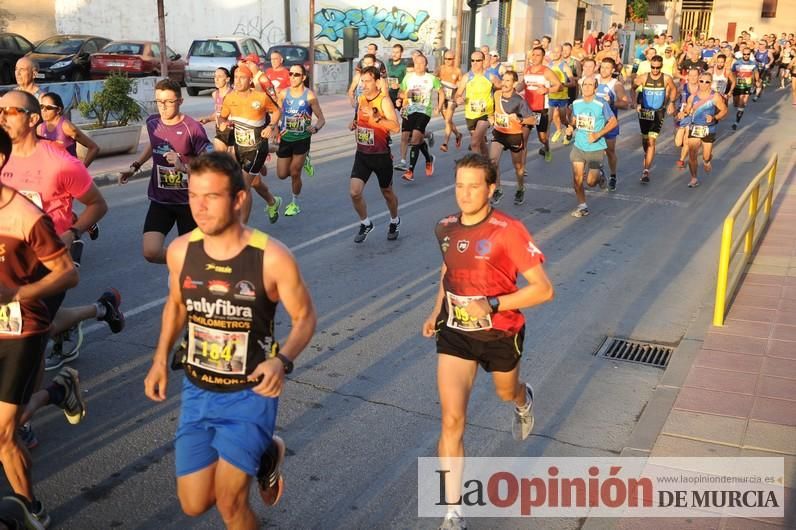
[
  {"x": 448, "y": 58},
  {"x": 705, "y": 81},
  {"x": 476, "y": 60},
  {"x": 295, "y": 74},
  {"x": 655, "y": 67},
  {"x": 50, "y": 107},
  {"x": 14, "y": 111}
]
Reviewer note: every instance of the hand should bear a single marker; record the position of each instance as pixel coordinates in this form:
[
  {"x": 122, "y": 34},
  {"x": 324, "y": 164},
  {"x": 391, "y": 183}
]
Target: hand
[
  {"x": 460, "y": 100},
  {"x": 124, "y": 176},
  {"x": 266, "y": 132},
  {"x": 353, "y": 126},
  {"x": 7, "y": 294},
  {"x": 429, "y": 328},
  {"x": 68, "y": 238},
  {"x": 173, "y": 158},
  {"x": 570, "y": 130},
  {"x": 313, "y": 129},
  {"x": 514, "y": 117},
  {"x": 709, "y": 118},
  {"x": 593, "y": 137},
  {"x": 223, "y": 125},
  {"x": 156, "y": 382},
  {"x": 478, "y": 309},
  {"x": 272, "y": 372}
]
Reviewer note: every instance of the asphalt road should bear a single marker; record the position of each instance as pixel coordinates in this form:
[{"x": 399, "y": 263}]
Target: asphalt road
[{"x": 362, "y": 404}]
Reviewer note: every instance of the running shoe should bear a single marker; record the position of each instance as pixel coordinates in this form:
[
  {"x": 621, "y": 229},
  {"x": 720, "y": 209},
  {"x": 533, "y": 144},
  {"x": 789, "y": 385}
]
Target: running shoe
[
  {"x": 453, "y": 522},
  {"x": 76, "y": 251},
  {"x": 567, "y": 139},
  {"x": 755, "y": 97},
  {"x": 73, "y": 405},
  {"x": 364, "y": 230},
  {"x": 681, "y": 164},
  {"x": 694, "y": 184},
  {"x": 519, "y": 196},
  {"x": 273, "y": 209},
  {"x": 612, "y": 183},
  {"x": 603, "y": 183},
  {"x": 401, "y": 166},
  {"x": 65, "y": 347},
  {"x": 645, "y": 176},
  {"x": 111, "y": 299},
  {"x": 392, "y": 232},
  {"x": 497, "y": 195},
  {"x": 28, "y": 437},
  {"x": 309, "y": 169},
  {"x": 542, "y": 151},
  {"x": 430, "y": 166},
  {"x": 292, "y": 209},
  {"x": 734, "y": 126},
  {"x": 556, "y": 136},
  {"x": 269, "y": 475},
  {"x": 93, "y": 231},
  {"x": 522, "y": 425},
  {"x": 408, "y": 175},
  {"x": 580, "y": 211},
  {"x": 458, "y": 140},
  {"x": 548, "y": 156},
  {"x": 31, "y": 519},
  {"x": 430, "y": 138}
]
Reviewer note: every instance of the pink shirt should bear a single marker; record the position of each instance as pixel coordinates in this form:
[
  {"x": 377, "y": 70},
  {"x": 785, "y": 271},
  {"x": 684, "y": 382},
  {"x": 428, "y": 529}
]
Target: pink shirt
[{"x": 51, "y": 178}]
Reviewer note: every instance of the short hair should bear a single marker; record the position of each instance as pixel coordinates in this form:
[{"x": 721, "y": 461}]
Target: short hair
[
  {"x": 222, "y": 163},
  {"x": 276, "y": 52},
  {"x": 303, "y": 68},
  {"x": 478, "y": 161},
  {"x": 374, "y": 45},
  {"x": 5, "y": 147},
  {"x": 539, "y": 48},
  {"x": 369, "y": 56},
  {"x": 399, "y": 46},
  {"x": 513, "y": 75},
  {"x": 479, "y": 51},
  {"x": 548, "y": 37},
  {"x": 588, "y": 60},
  {"x": 226, "y": 72},
  {"x": 566, "y": 44},
  {"x": 590, "y": 78},
  {"x": 721, "y": 56},
  {"x": 169, "y": 84},
  {"x": 372, "y": 70},
  {"x": 656, "y": 57},
  {"x": 31, "y": 103},
  {"x": 609, "y": 60},
  {"x": 55, "y": 98}
]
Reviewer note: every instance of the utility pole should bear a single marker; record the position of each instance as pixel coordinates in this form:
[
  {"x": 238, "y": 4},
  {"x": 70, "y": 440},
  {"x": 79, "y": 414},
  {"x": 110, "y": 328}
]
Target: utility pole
[
  {"x": 312, "y": 45},
  {"x": 459, "y": 32},
  {"x": 164, "y": 60}
]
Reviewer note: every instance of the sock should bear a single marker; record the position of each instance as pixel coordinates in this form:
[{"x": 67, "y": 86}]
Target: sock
[
  {"x": 295, "y": 198},
  {"x": 582, "y": 206},
  {"x": 366, "y": 221},
  {"x": 424, "y": 150},
  {"x": 57, "y": 394},
  {"x": 395, "y": 220},
  {"x": 101, "y": 310},
  {"x": 453, "y": 512},
  {"x": 413, "y": 154}
]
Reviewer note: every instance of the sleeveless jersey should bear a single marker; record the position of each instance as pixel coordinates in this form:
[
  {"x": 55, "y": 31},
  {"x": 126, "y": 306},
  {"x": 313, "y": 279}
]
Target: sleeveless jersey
[
  {"x": 218, "y": 102},
  {"x": 606, "y": 90},
  {"x": 230, "y": 317},
  {"x": 296, "y": 116},
  {"x": 58, "y": 136},
  {"x": 720, "y": 81},
  {"x": 534, "y": 79},
  {"x": 700, "y": 109},
  {"x": 371, "y": 137},
  {"x": 762, "y": 58},
  {"x": 653, "y": 93},
  {"x": 558, "y": 69},
  {"x": 478, "y": 99}
]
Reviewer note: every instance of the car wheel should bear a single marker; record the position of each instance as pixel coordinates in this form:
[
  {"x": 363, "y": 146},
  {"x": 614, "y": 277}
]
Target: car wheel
[{"x": 193, "y": 91}]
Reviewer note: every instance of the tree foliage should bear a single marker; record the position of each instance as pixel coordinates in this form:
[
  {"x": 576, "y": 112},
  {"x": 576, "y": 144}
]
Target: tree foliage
[
  {"x": 113, "y": 103},
  {"x": 637, "y": 10}
]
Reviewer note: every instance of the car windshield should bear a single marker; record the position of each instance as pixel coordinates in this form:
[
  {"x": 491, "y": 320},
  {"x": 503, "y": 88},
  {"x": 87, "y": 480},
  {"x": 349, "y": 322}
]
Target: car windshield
[
  {"x": 291, "y": 54},
  {"x": 124, "y": 48},
  {"x": 60, "y": 45},
  {"x": 213, "y": 48}
]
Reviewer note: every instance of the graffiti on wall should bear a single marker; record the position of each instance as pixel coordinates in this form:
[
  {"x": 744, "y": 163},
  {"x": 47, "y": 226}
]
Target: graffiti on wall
[
  {"x": 373, "y": 22},
  {"x": 265, "y": 31}
]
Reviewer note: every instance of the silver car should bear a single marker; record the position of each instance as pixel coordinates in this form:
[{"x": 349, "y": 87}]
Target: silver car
[{"x": 205, "y": 55}]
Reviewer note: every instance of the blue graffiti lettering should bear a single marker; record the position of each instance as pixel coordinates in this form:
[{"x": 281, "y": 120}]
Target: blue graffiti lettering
[{"x": 372, "y": 22}]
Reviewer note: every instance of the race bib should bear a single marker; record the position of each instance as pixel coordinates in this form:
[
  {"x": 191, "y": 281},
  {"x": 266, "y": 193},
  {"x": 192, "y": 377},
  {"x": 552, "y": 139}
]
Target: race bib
[
  {"x": 244, "y": 137},
  {"x": 744, "y": 82},
  {"x": 537, "y": 117},
  {"x": 699, "y": 131},
  {"x": 34, "y": 196},
  {"x": 448, "y": 92},
  {"x": 10, "y": 319},
  {"x": 646, "y": 114},
  {"x": 477, "y": 105},
  {"x": 502, "y": 120},
  {"x": 170, "y": 178},
  {"x": 365, "y": 136},
  {"x": 295, "y": 124},
  {"x": 584, "y": 122},
  {"x": 393, "y": 82},
  {"x": 459, "y": 319},
  {"x": 219, "y": 351}
]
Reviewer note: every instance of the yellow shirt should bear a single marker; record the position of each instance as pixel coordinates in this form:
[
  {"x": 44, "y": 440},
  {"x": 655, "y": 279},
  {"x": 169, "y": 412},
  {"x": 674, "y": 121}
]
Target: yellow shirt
[{"x": 669, "y": 64}]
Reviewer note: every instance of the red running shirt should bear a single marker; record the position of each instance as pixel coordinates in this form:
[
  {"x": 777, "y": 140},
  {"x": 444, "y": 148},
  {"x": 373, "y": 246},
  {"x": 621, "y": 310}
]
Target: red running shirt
[
  {"x": 371, "y": 136},
  {"x": 485, "y": 260}
]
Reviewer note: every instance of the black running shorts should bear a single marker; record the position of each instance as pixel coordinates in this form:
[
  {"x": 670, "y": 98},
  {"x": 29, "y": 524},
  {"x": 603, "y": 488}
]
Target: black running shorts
[
  {"x": 287, "y": 149},
  {"x": 542, "y": 121},
  {"x": 510, "y": 142},
  {"x": 472, "y": 123},
  {"x": 161, "y": 218},
  {"x": 252, "y": 159},
  {"x": 651, "y": 128},
  {"x": 20, "y": 360},
  {"x": 497, "y": 355},
  {"x": 417, "y": 121},
  {"x": 379, "y": 163}
]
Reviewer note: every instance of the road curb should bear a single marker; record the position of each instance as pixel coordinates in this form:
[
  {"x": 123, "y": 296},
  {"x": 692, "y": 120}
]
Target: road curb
[{"x": 111, "y": 178}]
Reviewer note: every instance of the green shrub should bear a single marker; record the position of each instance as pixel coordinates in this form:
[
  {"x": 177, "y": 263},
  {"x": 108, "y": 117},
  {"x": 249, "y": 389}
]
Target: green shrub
[{"x": 113, "y": 103}]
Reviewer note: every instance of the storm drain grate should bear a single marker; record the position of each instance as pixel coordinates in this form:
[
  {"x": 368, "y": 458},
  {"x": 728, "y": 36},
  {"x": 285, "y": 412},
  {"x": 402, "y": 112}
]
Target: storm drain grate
[{"x": 634, "y": 351}]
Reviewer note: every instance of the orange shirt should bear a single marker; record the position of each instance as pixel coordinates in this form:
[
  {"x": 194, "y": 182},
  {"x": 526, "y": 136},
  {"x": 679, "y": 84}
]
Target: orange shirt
[{"x": 248, "y": 108}]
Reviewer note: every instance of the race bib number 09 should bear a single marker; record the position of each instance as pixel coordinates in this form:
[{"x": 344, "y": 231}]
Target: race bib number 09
[
  {"x": 10, "y": 319},
  {"x": 460, "y": 319},
  {"x": 219, "y": 351}
]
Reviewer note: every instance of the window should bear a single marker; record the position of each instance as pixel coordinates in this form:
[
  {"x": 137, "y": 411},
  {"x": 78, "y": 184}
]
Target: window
[
  {"x": 155, "y": 49},
  {"x": 124, "y": 48},
  {"x": 656, "y": 8},
  {"x": 23, "y": 44},
  {"x": 769, "y": 9},
  {"x": 90, "y": 47},
  {"x": 259, "y": 48}
]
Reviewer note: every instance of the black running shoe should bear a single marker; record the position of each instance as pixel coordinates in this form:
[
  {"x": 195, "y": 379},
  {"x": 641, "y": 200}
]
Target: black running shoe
[
  {"x": 612, "y": 183},
  {"x": 364, "y": 230},
  {"x": 93, "y": 232},
  {"x": 269, "y": 475},
  {"x": 111, "y": 299},
  {"x": 76, "y": 251},
  {"x": 392, "y": 233}
]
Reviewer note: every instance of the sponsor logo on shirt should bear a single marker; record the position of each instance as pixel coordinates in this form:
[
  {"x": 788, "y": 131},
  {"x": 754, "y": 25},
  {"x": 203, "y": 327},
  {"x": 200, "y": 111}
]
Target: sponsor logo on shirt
[
  {"x": 483, "y": 247},
  {"x": 462, "y": 245},
  {"x": 223, "y": 269},
  {"x": 446, "y": 243},
  {"x": 188, "y": 283},
  {"x": 244, "y": 290},
  {"x": 498, "y": 222},
  {"x": 217, "y": 308},
  {"x": 533, "y": 249},
  {"x": 218, "y": 287}
]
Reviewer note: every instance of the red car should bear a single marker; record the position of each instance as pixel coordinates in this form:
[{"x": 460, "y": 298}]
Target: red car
[{"x": 136, "y": 59}]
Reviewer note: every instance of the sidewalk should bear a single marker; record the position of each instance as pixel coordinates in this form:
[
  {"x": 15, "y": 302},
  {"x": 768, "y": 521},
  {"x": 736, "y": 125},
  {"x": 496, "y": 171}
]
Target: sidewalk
[{"x": 739, "y": 396}]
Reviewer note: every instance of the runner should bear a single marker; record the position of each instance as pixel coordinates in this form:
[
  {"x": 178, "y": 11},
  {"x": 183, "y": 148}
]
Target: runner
[
  {"x": 234, "y": 367},
  {"x": 656, "y": 98},
  {"x": 174, "y": 139},
  {"x": 669, "y": 62},
  {"x": 221, "y": 139},
  {"x": 706, "y": 108},
  {"x": 747, "y": 76},
  {"x": 396, "y": 71},
  {"x": 417, "y": 91},
  {"x": 25, "y": 76},
  {"x": 376, "y": 119},
  {"x": 253, "y": 117},
  {"x": 476, "y": 317},
  {"x": 511, "y": 113},
  {"x": 785, "y": 59},
  {"x": 593, "y": 120},
  {"x": 475, "y": 93},
  {"x": 693, "y": 59},
  {"x": 681, "y": 120},
  {"x": 723, "y": 78},
  {"x": 36, "y": 266},
  {"x": 56, "y": 128},
  {"x": 298, "y": 104},
  {"x": 449, "y": 76},
  {"x": 612, "y": 91},
  {"x": 559, "y": 99},
  {"x": 575, "y": 67},
  {"x": 278, "y": 74},
  {"x": 493, "y": 69},
  {"x": 764, "y": 58},
  {"x": 539, "y": 81}
]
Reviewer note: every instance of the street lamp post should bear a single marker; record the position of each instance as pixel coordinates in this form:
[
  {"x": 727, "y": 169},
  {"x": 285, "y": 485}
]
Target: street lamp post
[
  {"x": 312, "y": 45},
  {"x": 164, "y": 60}
]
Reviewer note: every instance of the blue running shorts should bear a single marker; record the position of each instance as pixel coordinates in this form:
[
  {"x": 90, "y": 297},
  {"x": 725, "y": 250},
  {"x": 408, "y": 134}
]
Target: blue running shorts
[{"x": 234, "y": 426}]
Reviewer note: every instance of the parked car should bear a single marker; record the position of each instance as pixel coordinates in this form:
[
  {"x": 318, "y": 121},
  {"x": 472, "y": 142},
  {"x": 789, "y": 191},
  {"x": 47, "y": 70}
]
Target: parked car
[
  {"x": 206, "y": 55},
  {"x": 66, "y": 57},
  {"x": 136, "y": 59},
  {"x": 12, "y": 47}
]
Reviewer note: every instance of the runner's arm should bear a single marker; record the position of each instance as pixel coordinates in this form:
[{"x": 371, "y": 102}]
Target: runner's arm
[
  {"x": 622, "y": 101},
  {"x": 555, "y": 82},
  {"x": 316, "y": 110},
  {"x": 718, "y": 101},
  {"x": 62, "y": 276},
  {"x": 430, "y": 325},
  {"x": 95, "y": 208},
  {"x": 352, "y": 88},
  {"x": 124, "y": 176},
  {"x": 388, "y": 119},
  {"x": 92, "y": 149}
]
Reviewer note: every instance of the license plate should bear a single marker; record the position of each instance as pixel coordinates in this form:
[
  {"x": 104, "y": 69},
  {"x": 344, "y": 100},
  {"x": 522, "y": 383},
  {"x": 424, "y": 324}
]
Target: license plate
[
  {"x": 205, "y": 74},
  {"x": 39, "y": 75},
  {"x": 115, "y": 64}
]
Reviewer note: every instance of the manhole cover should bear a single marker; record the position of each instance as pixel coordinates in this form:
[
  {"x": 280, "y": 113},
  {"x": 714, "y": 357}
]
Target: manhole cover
[{"x": 634, "y": 351}]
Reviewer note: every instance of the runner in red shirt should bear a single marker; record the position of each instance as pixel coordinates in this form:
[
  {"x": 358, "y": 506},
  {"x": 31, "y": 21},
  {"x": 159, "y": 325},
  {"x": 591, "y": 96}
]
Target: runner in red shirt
[{"x": 476, "y": 316}]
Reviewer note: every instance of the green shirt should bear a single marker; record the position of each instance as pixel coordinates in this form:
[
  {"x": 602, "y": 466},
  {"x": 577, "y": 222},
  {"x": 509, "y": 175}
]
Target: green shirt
[
  {"x": 418, "y": 90},
  {"x": 396, "y": 72}
]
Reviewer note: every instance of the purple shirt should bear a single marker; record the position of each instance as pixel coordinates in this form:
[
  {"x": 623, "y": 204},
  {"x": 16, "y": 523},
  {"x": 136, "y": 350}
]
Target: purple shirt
[
  {"x": 188, "y": 138},
  {"x": 59, "y": 136}
]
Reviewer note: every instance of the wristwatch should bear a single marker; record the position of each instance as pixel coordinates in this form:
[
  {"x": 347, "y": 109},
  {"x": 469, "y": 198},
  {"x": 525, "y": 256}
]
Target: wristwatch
[
  {"x": 287, "y": 363},
  {"x": 494, "y": 303},
  {"x": 75, "y": 232}
]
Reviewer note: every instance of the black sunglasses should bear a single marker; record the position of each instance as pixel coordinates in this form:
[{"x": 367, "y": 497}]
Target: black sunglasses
[
  {"x": 476, "y": 60},
  {"x": 655, "y": 67},
  {"x": 702, "y": 81},
  {"x": 296, "y": 74}
]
